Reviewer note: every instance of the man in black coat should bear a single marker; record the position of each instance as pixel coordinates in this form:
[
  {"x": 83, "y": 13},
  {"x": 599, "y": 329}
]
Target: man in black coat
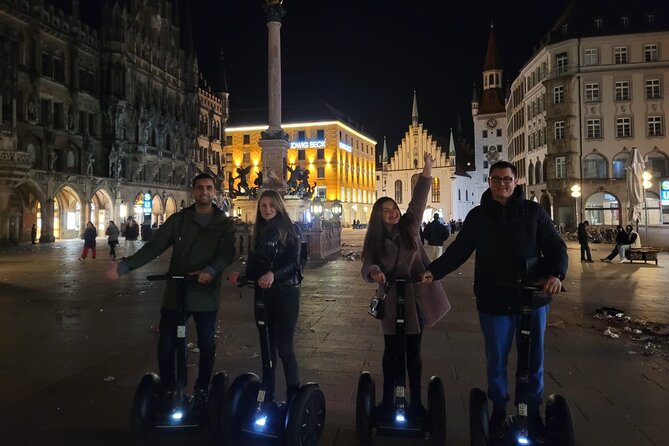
[
  {"x": 508, "y": 233},
  {"x": 435, "y": 233},
  {"x": 583, "y": 241}
]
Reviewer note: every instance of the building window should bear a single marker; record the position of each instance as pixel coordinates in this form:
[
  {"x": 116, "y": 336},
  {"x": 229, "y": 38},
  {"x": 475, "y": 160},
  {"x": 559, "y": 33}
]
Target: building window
[
  {"x": 561, "y": 62},
  {"x": 650, "y": 19},
  {"x": 301, "y": 135},
  {"x": 398, "y": 191},
  {"x": 321, "y": 172},
  {"x": 625, "y": 21},
  {"x": 82, "y": 123},
  {"x": 58, "y": 70},
  {"x": 620, "y": 55},
  {"x": 594, "y": 166},
  {"x": 619, "y": 162},
  {"x": 558, "y": 95},
  {"x": 47, "y": 64},
  {"x": 655, "y": 126},
  {"x": 622, "y": 91},
  {"x": 623, "y": 127},
  {"x": 593, "y": 128},
  {"x": 599, "y": 23},
  {"x": 92, "y": 127},
  {"x": 653, "y": 89},
  {"x": 301, "y": 155},
  {"x": 499, "y": 148},
  {"x": 436, "y": 190},
  {"x": 320, "y": 134},
  {"x": 560, "y": 167},
  {"x": 246, "y": 139},
  {"x": 499, "y": 132},
  {"x": 559, "y": 130},
  {"x": 650, "y": 53},
  {"x": 591, "y": 56},
  {"x": 592, "y": 92},
  {"x": 228, "y": 140},
  {"x": 484, "y": 133},
  {"x": 485, "y": 165},
  {"x": 485, "y": 149},
  {"x": 320, "y": 154},
  {"x": 58, "y": 117},
  {"x": 45, "y": 111}
]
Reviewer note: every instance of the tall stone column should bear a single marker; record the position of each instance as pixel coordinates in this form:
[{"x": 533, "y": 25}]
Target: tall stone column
[{"x": 274, "y": 140}]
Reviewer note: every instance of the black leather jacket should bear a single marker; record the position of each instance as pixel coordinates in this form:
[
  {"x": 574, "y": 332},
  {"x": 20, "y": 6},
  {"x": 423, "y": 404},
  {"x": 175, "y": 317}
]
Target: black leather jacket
[{"x": 270, "y": 254}]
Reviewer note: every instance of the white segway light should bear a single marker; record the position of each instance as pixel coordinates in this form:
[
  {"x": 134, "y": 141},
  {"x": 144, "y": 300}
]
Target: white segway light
[
  {"x": 522, "y": 439},
  {"x": 177, "y": 415},
  {"x": 399, "y": 417},
  {"x": 261, "y": 421}
]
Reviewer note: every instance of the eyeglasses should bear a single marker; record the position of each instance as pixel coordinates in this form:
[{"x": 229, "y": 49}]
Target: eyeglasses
[{"x": 495, "y": 179}]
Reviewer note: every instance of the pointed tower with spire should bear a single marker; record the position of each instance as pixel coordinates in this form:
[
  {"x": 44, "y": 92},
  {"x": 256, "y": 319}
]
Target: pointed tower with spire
[{"x": 489, "y": 115}]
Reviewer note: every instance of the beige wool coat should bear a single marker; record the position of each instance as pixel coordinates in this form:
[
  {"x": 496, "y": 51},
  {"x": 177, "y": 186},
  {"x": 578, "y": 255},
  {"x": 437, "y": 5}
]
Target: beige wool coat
[{"x": 431, "y": 298}]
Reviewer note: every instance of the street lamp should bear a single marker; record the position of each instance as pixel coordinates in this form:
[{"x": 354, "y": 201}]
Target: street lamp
[
  {"x": 576, "y": 192},
  {"x": 316, "y": 211},
  {"x": 647, "y": 184},
  {"x": 336, "y": 210}
]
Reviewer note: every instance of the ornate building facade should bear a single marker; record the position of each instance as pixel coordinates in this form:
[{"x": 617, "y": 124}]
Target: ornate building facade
[
  {"x": 595, "y": 88},
  {"x": 100, "y": 124},
  {"x": 327, "y": 157}
]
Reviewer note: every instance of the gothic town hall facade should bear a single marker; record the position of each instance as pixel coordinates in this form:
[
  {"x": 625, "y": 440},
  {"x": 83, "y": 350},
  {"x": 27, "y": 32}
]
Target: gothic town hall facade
[{"x": 100, "y": 124}]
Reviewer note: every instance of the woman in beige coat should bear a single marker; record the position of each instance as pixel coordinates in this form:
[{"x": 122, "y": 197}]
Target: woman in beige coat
[{"x": 393, "y": 250}]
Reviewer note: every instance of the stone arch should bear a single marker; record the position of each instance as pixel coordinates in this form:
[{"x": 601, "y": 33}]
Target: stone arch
[
  {"x": 170, "y": 207},
  {"x": 594, "y": 166},
  {"x": 157, "y": 210},
  {"x": 68, "y": 211},
  {"x": 602, "y": 208},
  {"x": 530, "y": 174},
  {"x": 102, "y": 208}
]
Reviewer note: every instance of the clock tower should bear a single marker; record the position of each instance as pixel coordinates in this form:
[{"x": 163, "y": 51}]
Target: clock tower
[{"x": 489, "y": 115}]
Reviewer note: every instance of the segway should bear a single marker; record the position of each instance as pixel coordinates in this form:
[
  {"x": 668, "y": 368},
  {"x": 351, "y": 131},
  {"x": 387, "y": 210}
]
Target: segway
[
  {"x": 150, "y": 410},
  {"x": 397, "y": 422},
  {"x": 560, "y": 427},
  {"x": 248, "y": 415}
]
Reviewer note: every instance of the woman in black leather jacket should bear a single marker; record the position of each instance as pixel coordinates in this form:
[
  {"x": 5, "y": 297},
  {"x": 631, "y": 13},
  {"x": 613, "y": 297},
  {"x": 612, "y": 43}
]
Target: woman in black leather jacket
[{"x": 274, "y": 266}]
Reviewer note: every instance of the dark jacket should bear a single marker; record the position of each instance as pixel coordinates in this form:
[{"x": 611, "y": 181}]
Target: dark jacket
[
  {"x": 131, "y": 231},
  {"x": 504, "y": 237},
  {"x": 435, "y": 233},
  {"x": 269, "y": 254},
  {"x": 582, "y": 234},
  {"x": 89, "y": 237},
  {"x": 208, "y": 248},
  {"x": 621, "y": 238}
]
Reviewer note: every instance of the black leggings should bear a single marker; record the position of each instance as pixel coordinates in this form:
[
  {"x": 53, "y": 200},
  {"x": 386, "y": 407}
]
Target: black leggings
[
  {"x": 414, "y": 366},
  {"x": 281, "y": 310}
]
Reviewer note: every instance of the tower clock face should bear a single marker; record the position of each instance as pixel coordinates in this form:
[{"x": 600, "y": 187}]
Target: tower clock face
[
  {"x": 492, "y": 155},
  {"x": 492, "y": 123}
]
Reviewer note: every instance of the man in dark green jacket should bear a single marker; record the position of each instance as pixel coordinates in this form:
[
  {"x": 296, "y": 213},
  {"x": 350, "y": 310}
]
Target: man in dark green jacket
[{"x": 202, "y": 241}]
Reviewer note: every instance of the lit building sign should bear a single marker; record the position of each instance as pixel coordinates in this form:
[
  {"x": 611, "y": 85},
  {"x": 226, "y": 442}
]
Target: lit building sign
[
  {"x": 664, "y": 192},
  {"x": 315, "y": 144},
  {"x": 346, "y": 147},
  {"x": 147, "y": 204}
]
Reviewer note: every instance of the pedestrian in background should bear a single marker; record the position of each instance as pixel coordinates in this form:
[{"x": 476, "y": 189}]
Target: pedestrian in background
[
  {"x": 633, "y": 241},
  {"x": 33, "y": 234},
  {"x": 274, "y": 267},
  {"x": 90, "y": 234},
  {"x": 621, "y": 239},
  {"x": 435, "y": 234},
  {"x": 583, "y": 241},
  {"x": 392, "y": 250},
  {"x": 508, "y": 233},
  {"x": 131, "y": 235},
  {"x": 112, "y": 232},
  {"x": 202, "y": 242}
]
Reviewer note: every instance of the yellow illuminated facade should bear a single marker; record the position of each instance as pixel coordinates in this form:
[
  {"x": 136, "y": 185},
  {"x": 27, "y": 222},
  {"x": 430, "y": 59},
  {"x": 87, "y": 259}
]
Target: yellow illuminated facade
[{"x": 340, "y": 160}]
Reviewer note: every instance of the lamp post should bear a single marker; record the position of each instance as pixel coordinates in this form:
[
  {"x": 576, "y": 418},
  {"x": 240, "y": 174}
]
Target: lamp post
[
  {"x": 316, "y": 211},
  {"x": 576, "y": 192},
  {"x": 336, "y": 210},
  {"x": 647, "y": 184}
]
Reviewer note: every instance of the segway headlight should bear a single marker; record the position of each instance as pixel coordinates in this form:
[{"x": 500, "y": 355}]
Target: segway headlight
[
  {"x": 177, "y": 415},
  {"x": 261, "y": 421},
  {"x": 400, "y": 418},
  {"x": 522, "y": 439}
]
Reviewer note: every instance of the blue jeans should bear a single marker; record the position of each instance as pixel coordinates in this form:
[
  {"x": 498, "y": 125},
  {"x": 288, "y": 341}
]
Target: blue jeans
[
  {"x": 205, "y": 325},
  {"x": 498, "y": 332}
]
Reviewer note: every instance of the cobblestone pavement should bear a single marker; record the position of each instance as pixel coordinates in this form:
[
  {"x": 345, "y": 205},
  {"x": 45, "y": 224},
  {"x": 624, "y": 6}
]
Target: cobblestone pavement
[{"x": 75, "y": 346}]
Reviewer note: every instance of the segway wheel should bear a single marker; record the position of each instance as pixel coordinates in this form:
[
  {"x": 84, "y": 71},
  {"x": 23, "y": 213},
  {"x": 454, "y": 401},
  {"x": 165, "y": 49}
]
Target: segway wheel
[
  {"x": 239, "y": 402},
  {"x": 143, "y": 405},
  {"x": 219, "y": 385},
  {"x": 364, "y": 405},
  {"x": 436, "y": 407},
  {"x": 306, "y": 416},
  {"x": 478, "y": 418},
  {"x": 559, "y": 422}
]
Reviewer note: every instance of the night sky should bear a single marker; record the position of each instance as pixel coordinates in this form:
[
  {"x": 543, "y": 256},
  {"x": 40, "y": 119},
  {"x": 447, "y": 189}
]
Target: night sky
[{"x": 366, "y": 57}]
